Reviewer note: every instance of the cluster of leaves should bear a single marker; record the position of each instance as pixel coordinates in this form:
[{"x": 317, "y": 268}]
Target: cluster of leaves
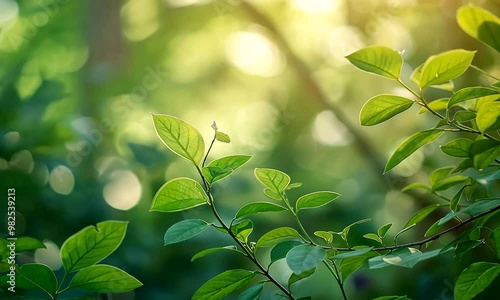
[
  {"x": 80, "y": 255},
  {"x": 472, "y": 110}
]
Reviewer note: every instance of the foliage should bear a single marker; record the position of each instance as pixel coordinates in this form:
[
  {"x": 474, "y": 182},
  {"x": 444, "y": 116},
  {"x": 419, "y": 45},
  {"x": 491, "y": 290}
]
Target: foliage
[
  {"x": 466, "y": 189},
  {"x": 80, "y": 255}
]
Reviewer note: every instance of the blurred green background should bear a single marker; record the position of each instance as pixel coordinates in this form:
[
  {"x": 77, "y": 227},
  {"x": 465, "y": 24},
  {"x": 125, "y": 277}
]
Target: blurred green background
[{"x": 79, "y": 80}]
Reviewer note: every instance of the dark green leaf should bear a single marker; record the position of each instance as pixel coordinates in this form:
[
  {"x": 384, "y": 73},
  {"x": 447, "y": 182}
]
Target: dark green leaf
[
  {"x": 280, "y": 250},
  {"x": 345, "y": 231},
  {"x": 445, "y": 66},
  {"x": 252, "y": 293},
  {"x": 470, "y": 93},
  {"x": 439, "y": 174},
  {"x": 104, "y": 279},
  {"x": 37, "y": 277},
  {"x": 433, "y": 229},
  {"x": 484, "y": 152},
  {"x": 464, "y": 116},
  {"x": 480, "y": 24},
  {"x": 242, "y": 230},
  {"x": 351, "y": 264},
  {"x": 466, "y": 246},
  {"x": 180, "y": 137},
  {"x": 277, "y": 236},
  {"x": 421, "y": 214},
  {"x": 224, "y": 284},
  {"x": 378, "y": 60},
  {"x": 456, "y": 198},
  {"x": 353, "y": 253},
  {"x": 179, "y": 194},
  {"x": 212, "y": 250},
  {"x": 305, "y": 257},
  {"x": 412, "y": 144},
  {"x": 383, "y": 107},
  {"x": 214, "y": 173},
  {"x": 92, "y": 244},
  {"x": 26, "y": 243},
  {"x": 457, "y": 147},
  {"x": 448, "y": 182},
  {"x": 297, "y": 277},
  {"x": 258, "y": 207},
  {"x": 403, "y": 257},
  {"x": 392, "y": 298},
  {"x": 316, "y": 199},
  {"x": 275, "y": 180},
  {"x": 184, "y": 230},
  {"x": 475, "y": 279},
  {"x": 495, "y": 236}
]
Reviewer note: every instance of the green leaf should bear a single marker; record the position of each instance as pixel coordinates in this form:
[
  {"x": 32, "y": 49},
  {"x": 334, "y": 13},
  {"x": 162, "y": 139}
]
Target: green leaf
[
  {"x": 258, "y": 207},
  {"x": 416, "y": 185},
  {"x": 325, "y": 235},
  {"x": 373, "y": 236},
  {"x": 305, "y": 257},
  {"x": 480, "y": 24},
  {"x": 456, "y": 198},
  {"x": 464, "y": 116},
  {"x": 403, "y": 257},
  {"x": 36, "y": 277},
  {"x": 280, "y": 250},
  {"x": 26, "y": 243},
  {"x": 439, "y": 104},
  {"x": 242, "y": 230},
  {"x": 222, "y": 137},
  {"x": 475, "y": 279},
  {"x": 351, "y": 264},
  {"x": 297, "y": 277},
  {"x": 382, "y": 231},
  {"x": 233, "y": 162},
  {"x": 415, "y": 75},
  {"x": 277, "y": 236},
  {"x": 224, "y": 284},
  {"x": 383, "y": 107},
  {"x": 293, "y": 185},
  {"x": 378, "y": 262},
  {"x": 477, "y": 208},
  {"x": 466, "y": 246},
  {"x": 433, "y": 229},
  {"x": 275, "y": 180},
  {"x": 392, "y": 298},
  {"x": 92, "y": 244},
  {"x": 495, "y": 236},
  {"x": 469, "y": 93},
  {"x": 421, "y": 214},
  {"x": 439, "y": 174},
  {"x": 378, "y": 60},
  {"x": 212, "y": 250},
  {"x": 488, "y": 117},
  {"x": 484, "y": 152},
  {"x": 104, "y": 279},
  {"x": 180, "y": 137},
  {"x": 184, "y": 230},
  {"x": 179, "y": 194},
  {"x": 410, "y": 145},
  {"x": 457, "y": 148},
  {"x": 316, "y": 199},
  {"x": 345, "y": 231},
  {"x": 214, "y": 173},
  {"x": 448, "y": 182},
  {"x": 272, "y": 195},
  {"x": 353, "y": 253},
  {"x": 252, "y": 293},
  {"x": 445, "y": 66}
]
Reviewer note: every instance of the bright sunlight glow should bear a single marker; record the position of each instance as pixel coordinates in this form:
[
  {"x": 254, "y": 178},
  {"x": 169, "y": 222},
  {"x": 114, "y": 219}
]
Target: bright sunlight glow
[{"x": 123, "y": 191}]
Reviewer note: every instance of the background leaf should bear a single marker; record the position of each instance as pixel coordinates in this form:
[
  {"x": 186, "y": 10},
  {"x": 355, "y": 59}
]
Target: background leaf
[
  {"x": 92, "y": 244},
  {"x": 179, "y": 194},
  {"x": 180, "y": 137},
  {"x": 104, "y": 279}
]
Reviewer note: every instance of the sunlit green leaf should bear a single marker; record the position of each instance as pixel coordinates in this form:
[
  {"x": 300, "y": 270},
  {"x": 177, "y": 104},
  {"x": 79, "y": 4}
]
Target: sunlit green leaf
[
  {"x": 421, "y": 214},
  {"x": 383, "y": 107},
  {"x": 92, "y": 244},
  {"x": 242, "y": 230},
  {"x": 316, "y": 199},
  {"x": 36, "y": 277},
  {"x": 222, "y": 137},
  {"x": 488, "y": 117},
  {"x": 439, "y": 174},
  {"x": 224, "y": 284},
  {"x": 206, "y": 252},
  {"x": 325, "y": 235},
  {"x": 345, "y": 231},
  {"x": 372, "y": 236},
  {"x": 252, "y": 293},
  {"x": 353, "y": 253},
  {"x": 305, "y": 257},
  {"x": 382, "y": 231},
  {"x": 180, "y": 137},
  {"x": 258, "y": 207},
  {"x": 214, "y": 173},
  {"x": 275, "y": 180},
  {"x": 297, "y": 277},
  {"x": 272, "y": 194},
  {"x": 445, "y": 66},
  {"x": 480, "y": 24},
  {"x": 415, "y": 75},
  {"x": 475, "y": 279},
  {"x": 457, "y": 148},
  {"x": 233, "y": 162},
  {"x": 184, "y": 230},
  {"x": 179, "y": 194},
  {"x": 104, "y": 279},
  {"x": 378, "y": 60},
  {"x": 449, "y": 182},
  {"x": 469, "y": 93},
  {"x": 277, "y": 236},
  {"x": 415, "y": 185},
  {"x": 280, "y": 250},
  {"x": 436, "y": 105},
  {"x": 410, "y": 145}
]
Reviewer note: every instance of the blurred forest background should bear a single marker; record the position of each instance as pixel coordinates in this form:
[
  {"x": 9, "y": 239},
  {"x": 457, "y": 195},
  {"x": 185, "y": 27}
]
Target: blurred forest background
[{"x": 79, "y": 80}]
